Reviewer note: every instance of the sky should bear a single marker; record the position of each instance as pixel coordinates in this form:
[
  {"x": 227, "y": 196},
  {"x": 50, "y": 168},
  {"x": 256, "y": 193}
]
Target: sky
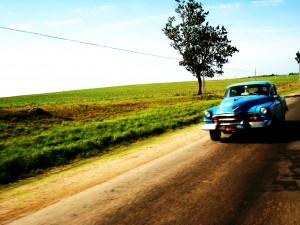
[{"x": 266, "y": 32}]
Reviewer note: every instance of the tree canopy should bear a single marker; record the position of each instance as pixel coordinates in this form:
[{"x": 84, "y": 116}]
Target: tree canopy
[{"x": 204, "y": 48}]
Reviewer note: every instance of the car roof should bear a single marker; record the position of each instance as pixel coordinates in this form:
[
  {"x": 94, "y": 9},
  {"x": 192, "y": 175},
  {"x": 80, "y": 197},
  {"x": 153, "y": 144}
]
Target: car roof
[{"x": 251, "y": 83}]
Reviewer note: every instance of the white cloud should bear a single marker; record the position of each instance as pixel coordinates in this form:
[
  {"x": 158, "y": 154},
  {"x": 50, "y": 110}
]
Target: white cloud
[
  {"x": 229, "y": 6},
  {"x": 232, "y": 6},
  {"x": 96, "y": 8},
  {"x": 266, "y": 1},
  {"x": 126, "y": 23},
  {"x": 22, "y": 26},
  {"x": 61, "y": 23},
  {"x": 106, "y": 6}
]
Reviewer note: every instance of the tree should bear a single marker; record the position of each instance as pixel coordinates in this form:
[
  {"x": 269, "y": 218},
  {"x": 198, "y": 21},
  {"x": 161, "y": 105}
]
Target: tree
[
  {"x": 298, "y": 61},
  {"x": 204, "y": 48}
]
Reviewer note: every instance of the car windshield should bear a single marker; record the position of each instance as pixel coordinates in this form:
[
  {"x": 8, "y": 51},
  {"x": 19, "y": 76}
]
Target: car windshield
[{"x": 244, "y": 90}]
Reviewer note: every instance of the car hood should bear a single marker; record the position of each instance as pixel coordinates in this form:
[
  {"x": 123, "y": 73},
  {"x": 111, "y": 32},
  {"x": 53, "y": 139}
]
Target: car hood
[{"x": 240, "y": 104}]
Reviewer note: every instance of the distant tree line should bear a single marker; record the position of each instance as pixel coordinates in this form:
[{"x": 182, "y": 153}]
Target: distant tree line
[{"x": 272, "y": 75}]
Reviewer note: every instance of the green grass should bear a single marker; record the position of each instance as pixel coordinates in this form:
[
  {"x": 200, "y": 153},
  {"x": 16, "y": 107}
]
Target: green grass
[{"x": 43, "y": 131}]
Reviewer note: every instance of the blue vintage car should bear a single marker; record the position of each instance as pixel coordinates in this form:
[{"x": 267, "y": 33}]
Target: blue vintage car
[{"x": 246, "y": 105}]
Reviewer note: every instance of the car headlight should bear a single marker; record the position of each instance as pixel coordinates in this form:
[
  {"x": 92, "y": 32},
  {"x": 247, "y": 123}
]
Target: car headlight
[
  {"x": 263, "y": 110},
  {"x": 207, "y": 114}
]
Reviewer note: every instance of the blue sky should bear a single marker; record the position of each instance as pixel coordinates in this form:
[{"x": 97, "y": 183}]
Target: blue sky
[{"x": 266, "y": 32}]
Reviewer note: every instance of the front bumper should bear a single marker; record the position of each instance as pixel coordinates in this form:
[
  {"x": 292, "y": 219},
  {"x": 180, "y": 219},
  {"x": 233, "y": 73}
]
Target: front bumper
[{"x": 235, "y": 126}]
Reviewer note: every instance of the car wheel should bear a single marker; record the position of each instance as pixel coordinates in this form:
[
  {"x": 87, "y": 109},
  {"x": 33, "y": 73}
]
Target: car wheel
[
  {"x": 282, "y": 121},
  {"x": 283, "y": 118},
  {"x": 215, "y": 135}
]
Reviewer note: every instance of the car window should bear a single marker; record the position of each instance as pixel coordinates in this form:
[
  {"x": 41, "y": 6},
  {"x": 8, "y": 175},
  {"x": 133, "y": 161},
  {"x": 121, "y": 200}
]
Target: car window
[
  {"x": 244, "y": 90},
  {"x": 273, "y": 90}
]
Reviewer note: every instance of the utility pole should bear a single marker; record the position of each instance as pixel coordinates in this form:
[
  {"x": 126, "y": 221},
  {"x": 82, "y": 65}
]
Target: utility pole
[{"x": 255, "y": 74}]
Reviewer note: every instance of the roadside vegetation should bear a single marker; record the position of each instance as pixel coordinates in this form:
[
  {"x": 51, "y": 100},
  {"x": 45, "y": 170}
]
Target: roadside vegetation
[{"x": 39, "y": 132}]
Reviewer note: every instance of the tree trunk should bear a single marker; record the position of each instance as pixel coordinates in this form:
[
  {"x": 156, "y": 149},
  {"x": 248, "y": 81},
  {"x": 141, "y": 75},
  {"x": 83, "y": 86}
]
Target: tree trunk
[{"x": 199, "y": 84}]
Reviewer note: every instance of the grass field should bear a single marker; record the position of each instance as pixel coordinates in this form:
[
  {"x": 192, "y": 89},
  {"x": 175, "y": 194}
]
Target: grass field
[{"x": 42, "y": 131}]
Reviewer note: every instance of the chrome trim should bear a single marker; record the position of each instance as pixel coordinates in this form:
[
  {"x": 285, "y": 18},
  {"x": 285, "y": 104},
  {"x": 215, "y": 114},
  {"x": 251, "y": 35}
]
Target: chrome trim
[
  {"x": 259, "y": 124},
  {"x": 240, "y": 120},
  {"x": 229, "y": 124},
  {"x": 209, "y": 126},
  {"x": 228, "y": 119},
  {"x": 233, "y": 114}
]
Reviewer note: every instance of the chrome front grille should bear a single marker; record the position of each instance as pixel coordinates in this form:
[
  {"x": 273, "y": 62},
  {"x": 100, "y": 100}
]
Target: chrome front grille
[{"x": 231, "y": 119}]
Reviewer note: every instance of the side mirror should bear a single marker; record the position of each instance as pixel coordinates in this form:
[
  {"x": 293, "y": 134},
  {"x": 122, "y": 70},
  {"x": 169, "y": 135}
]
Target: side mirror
[{"x": 275, "y": 97}]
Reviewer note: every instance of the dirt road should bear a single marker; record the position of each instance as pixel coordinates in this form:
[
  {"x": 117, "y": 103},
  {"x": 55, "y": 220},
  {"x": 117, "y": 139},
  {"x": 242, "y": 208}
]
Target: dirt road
[{"x": 252, "y": 178}]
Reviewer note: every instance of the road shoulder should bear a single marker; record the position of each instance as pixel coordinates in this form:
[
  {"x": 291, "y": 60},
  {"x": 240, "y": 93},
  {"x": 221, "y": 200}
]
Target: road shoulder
[{"x": 33, "y": 194}]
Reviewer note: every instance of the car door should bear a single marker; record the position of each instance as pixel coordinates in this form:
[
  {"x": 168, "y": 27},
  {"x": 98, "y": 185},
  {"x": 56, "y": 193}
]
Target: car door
[{"x": 276, "y": 104}]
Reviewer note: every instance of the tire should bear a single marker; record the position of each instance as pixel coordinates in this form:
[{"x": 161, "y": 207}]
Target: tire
[
  {"x": 215, "y": 135},
  {"x": 282, "y": 121},
  {"x": 283, "y": 118}
]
